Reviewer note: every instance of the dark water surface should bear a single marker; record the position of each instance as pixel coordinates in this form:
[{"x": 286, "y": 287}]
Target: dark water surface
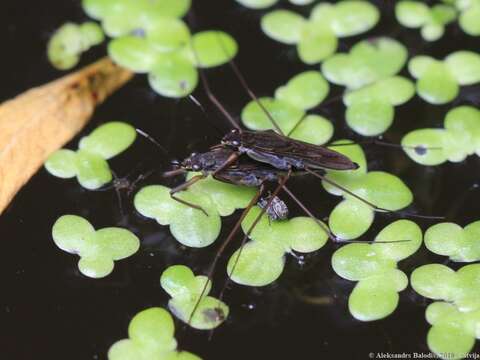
[{"x": 50, "y": 311}]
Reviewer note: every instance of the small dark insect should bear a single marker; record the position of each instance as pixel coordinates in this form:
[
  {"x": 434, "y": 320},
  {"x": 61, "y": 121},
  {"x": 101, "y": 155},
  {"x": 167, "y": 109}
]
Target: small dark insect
[
  {"x": 277, "y": 210},
  {"x": 214, "y": 315}
]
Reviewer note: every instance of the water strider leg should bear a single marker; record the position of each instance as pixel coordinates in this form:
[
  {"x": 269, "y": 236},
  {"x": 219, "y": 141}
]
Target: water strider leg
[
  {"x": 185, "y": 186},
  {"x": 225, "y": 244},
  {"x": 375, "y": 207}
]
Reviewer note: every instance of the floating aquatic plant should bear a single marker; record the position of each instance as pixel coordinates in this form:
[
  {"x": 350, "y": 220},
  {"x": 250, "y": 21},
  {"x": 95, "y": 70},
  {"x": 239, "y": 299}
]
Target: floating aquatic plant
[
  {"x": 185, "y": 289},
  {"x": 459, "y": 138},
  {"x": 459, "y": 244},
  {"x": 374, "y": 266},
  {"x": 302, "y": 92},
  {"x": 98, "y": 249},
  {"x": 151, "y": 336},
  {"x": 190, "y": 226},
  {"x": 89, "y": 162},
  {"x": 71, "y": 40},
  {"x": 261, "y": 4},
  {"x": 469, "y": 15},
  {"x": 368, "y": 72},
  {"x": 316, "y": 37},
  {"x": 438, "y": 81},
  {"x": 431, "y": 20},
  {"x": 351, "y": 218},
  {"x": 455, "y": 319},
  {"x": 149, "y": 37},
  {"x": 261, "y": 261}
]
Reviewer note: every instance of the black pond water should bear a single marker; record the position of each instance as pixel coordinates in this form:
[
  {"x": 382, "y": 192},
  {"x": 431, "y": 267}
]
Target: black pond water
[{"x": 49, "y": 311}]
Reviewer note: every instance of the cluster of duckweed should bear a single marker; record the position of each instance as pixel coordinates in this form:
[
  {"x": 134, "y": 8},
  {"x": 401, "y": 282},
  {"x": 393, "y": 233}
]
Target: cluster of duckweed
[
  {"x": 450, "y": 239},
  {"x": 98, "y": 249},
  {"x": 262, "y": 260},
  {"x": 431, "y": 20},
  {"x": 469, "y": 15},
  {"x": 89, "y": 163},
  {"x": 303, "y": 92},
  {"x": 151, "y": 336},
  {"x": 150, "y": 37},
  {"x": 372, "y": 89},
  {"x": 459, "y": 138},
  {"x": 316, "y": 38},
  {"x": 147, "y": 37},
  {"x": 351, "y": 217},
  {"x": 185, "y": 289},
  {"x": 455, "y": 316},
  {"x": 374, "y": 266},
  {"x": 71, "y": 40},
  {"x": 191, "y": 227},
  {"x": 439, "y": 81}
]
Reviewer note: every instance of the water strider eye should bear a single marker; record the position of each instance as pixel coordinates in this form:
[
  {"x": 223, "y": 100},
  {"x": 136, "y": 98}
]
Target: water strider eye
[
  {"x": 196, "y": 167},
  {"x": 235, "y": 143}
]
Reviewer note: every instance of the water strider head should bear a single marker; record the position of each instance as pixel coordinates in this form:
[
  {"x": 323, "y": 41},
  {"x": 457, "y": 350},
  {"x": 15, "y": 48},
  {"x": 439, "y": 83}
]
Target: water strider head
[
  {"x": 233, "y": 138},
  {"x": 207, "y": 161}
]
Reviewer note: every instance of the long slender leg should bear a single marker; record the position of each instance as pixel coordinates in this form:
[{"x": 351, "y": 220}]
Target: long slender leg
[
  {"x": 326, "y": 229},
  {"x": 255, "y": 222},
  {"x": 184, "y": 186},
  {"x": 375, "y": 207},
  {"x": 297, "y": 124},
  {"x": 225, "y": 244},
  {"x": 153, "y": 141}
]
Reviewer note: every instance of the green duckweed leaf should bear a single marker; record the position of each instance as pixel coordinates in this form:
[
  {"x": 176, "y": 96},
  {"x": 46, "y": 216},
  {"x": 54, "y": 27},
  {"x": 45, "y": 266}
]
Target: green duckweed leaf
[
  {"x": 226, "y": 197},
  {"x": 434, "y": 281},
  {"x": 430, "y": 141},
  {"x": 350, "y": 219},
  {"x": 432, "y": 32},
  {"x": 367, "y": 62},
  {"x": 173, "y": 76},
  {"x": 133, "y": 52},
  {"x": 257, "y": 264},
  {"x": 412, "y": 14},
  {"x": 395, "y": 90},
  {"x": 464, "y": 66},
  {"x": 305, "y": 90},
  {"x": 170, "y": 8},
  {"x": 97, "y": 249},
  {"x": 371, "y": 300},
  {"x": 69, "y": 233},
  {"x": 92, "y": 33},
  {"x": 355, "y": 262},
  {"x": 185, "y": 289},
  {"x": 314, "y": 129},
  {"x": 92, "y": 170},
  {"x": 150, "y": 337},
  {"x": 317, "y": 42},
  {"x": 122, "y": 22},
  {"x": 450, "y": 338},
  {"x": 451, "y": 240},
  {"x": 209, "y": 314},
  {"x": 406, "y": 232},
  {"x": 168, "y": 34},
  {"x": 440, "y": 310},
  {"x": 189, "y": 226},
  {"x": 284, "y": 114},
  {"x": 62, "y": 164},
  {"x": 353, "y": 18},
  {"x": 65, "y": 46},
  {"x": 418, "y": 65},
  {"x": 261, "y": 261},
  {"x": 437, "y": 85},
  {"x": 212, "y": 48},
  {"x": 283, "y": 25},
  {"x": 370, "y": 117},
  {"x": 257, "y": 4},
  {"x": 469, "y": 20},
  {"x": 384, "y": 190},
  {"x": 109, "y": 140}
]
